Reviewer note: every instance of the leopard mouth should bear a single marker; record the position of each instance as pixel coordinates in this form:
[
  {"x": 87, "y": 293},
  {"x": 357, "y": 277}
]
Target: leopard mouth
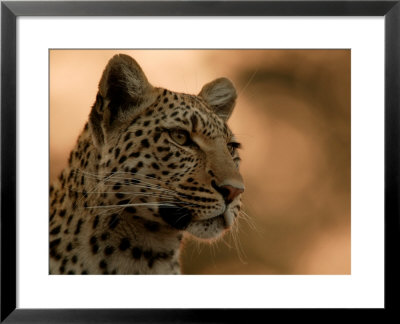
[
  {"x": 176, "y": 216},
  {"x": 225, "y": 217},
  {"x": 180, "y": 217}
]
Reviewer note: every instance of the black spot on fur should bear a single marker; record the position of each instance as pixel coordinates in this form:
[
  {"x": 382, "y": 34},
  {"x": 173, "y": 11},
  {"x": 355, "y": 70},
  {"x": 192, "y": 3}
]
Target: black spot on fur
[
  {"x": 105, "y": 236},
  {"x": 78, "y": 226},
  {"x": 152, "y": 226},
  {"x": 128, "y": 146},
  {"x": 119, "y": 195},
  {"x": 156, "y": 137},
  {"x": 136, "y": 253},
  {"x": 114, "y": 220},
  {"x": 54, "y": 243},
  {"x": 117, "y": 186},
  {"x": 109, "y": 250},
  {"x": 95, "y": 222},
  {"x": 135, "y": 181},
  {"x": 167, "y": 157},
  {"x": 131, "y": 210},
  {"x": 117, "y": 150},
  {"x": 124, "y": 202},
  {"x": 194, "y": 122},
  {"x": 134, "y": 154},
  {"x": 147, "y": 254},
  {"x": 95, "y": 248},
  {"x": 125, "y": 244},
  {"x": 145, "y": 143},
  {"x": 52, "y": 215},
  {"x": 54, "y": 254},
  {"x": 103, "y": 264},
  {"x": 162, "y": 148},
  {"x": 127, "y": 137},
  {"x": 55, "y": 230},
  {"x": 93, "y": 240}
]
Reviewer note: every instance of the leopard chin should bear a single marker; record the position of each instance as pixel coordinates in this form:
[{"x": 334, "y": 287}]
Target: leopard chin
[
  {"x": 212, "y": 228},
  {"x": 207, "y": 229}
]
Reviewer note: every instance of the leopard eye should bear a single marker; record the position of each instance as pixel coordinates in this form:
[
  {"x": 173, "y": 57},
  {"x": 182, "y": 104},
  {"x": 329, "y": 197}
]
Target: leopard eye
[
  {"x": 180, "y": 136},
  {"x": 232, "y": 146}
]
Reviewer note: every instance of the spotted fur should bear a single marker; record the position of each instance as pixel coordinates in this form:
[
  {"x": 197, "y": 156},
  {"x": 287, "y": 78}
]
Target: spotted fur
[{"x": 149, "y": 167}]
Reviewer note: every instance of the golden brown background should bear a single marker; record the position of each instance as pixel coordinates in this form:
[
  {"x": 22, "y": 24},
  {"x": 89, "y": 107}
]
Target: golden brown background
[{"x": 293, "y": 119}]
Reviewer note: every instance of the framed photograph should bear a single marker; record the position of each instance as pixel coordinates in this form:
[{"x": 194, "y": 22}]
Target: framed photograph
[{"x": 249, "y": 147}]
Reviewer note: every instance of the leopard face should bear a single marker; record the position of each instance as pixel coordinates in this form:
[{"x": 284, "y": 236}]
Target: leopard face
[{"x": 174, "y": 161}]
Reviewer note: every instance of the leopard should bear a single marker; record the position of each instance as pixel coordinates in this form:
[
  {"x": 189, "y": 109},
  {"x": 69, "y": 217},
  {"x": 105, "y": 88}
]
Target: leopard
[{"x": 150, "y": 168}]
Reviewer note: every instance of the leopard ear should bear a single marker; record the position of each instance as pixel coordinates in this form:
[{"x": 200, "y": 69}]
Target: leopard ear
[
  {"x": 123, "y": 84},
  {"x": 123, "y": 89},
  {"x": 220, "y": 94}
]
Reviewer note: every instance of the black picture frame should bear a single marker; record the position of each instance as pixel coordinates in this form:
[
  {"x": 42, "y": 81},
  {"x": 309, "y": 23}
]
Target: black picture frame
[{"x": 10, "y": 11}]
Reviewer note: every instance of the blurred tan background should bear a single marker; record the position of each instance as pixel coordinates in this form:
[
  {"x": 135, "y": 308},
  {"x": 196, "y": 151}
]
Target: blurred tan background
[{"x": 293, "y": 119}]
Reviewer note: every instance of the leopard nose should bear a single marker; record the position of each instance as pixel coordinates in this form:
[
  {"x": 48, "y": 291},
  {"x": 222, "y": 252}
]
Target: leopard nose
[
  {"x": 228, "y": 192},
  {"x": 232, "y": 193}
]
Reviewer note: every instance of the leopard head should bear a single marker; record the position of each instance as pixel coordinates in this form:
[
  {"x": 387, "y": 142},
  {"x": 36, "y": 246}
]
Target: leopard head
[{"x": 167, "y": 158}]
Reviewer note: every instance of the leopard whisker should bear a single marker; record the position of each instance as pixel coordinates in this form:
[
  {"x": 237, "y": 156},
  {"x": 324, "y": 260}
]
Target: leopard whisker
[
  {"x": 250, "y": 221},
  {"x": 248, "y": 82},
  {"x": 114, "y": 179},
  {"x": 163, "y": 204},
  {"x": 122, "y": 192},
  {"x": 134, "y": 174},
  {"x": 146, "y": 186},
  {"x": 149, "y": 184}
]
